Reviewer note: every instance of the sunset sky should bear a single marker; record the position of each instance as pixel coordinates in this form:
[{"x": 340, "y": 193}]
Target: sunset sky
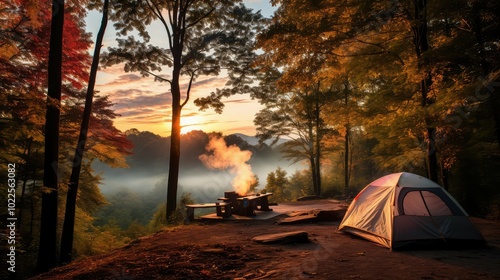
[{"x": 145, "y": 104}]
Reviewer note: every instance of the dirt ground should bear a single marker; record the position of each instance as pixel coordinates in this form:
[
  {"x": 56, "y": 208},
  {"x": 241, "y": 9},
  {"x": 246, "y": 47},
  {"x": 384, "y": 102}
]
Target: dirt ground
[{"x": 225, "y": 250}]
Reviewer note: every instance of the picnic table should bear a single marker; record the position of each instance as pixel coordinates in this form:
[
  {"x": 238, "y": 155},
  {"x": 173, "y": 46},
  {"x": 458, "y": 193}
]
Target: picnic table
[
  {"x": 259, "y": 201},
  {"x": 246, "y": 205},
  {"x": 223, "y": 209}
]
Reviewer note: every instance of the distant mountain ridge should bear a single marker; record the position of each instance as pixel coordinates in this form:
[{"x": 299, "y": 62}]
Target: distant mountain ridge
[
  {"x": 252, "y": 140},
  {"x": 148, "y": 163}
]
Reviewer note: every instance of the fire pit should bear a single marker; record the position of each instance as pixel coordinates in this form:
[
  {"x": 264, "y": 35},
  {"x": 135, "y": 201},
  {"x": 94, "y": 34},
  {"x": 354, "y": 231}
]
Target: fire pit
[
  {"x": 233, "y": 203},
  {"x": 245, "y": 205}
]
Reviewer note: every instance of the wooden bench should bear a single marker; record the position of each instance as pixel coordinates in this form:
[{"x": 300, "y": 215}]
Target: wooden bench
[{"x": 218, "y": 208}]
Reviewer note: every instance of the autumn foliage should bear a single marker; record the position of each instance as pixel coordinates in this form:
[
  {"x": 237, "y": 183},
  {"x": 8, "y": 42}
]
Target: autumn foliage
[
  {"x": 24, "y": 45},
  {"x": 410, "y": 86}
]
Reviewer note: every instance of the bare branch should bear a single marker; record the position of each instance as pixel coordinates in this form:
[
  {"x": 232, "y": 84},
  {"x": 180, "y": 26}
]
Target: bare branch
[
  {"x": 153, "y": 6},
  {"x": 155, "y": 75},
  {"x": 188, "y": 91}
]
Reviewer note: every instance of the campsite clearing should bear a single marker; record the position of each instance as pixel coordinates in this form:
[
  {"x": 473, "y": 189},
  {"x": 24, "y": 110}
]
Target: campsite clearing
[{"x": 225, "y": 250}]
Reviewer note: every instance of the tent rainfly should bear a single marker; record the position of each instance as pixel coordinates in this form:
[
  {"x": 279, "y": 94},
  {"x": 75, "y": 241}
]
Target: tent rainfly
[{"x": 403, "y": 208}]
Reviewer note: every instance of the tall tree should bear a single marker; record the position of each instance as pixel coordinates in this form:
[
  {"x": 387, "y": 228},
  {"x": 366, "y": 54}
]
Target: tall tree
[
  {"x": 202, "y": 38},
  {"x": 419, "y": 29},
  {"x": 428, "y": 72},
  {"x": 296, "y": 114},
  {"x": 47, "y": 252},
  {"x": 368, "y": 30},
  {"x": 23, "y": 79},
  {"x": 347, "y": 135},
  {"x": 483, "y": 19},
  {"x": 302, "y": 40},
  {"x": 69, "y": 214}
]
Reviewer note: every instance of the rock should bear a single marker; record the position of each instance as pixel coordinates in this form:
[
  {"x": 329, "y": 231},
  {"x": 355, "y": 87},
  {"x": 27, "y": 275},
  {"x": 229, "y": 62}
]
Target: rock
[
  {"x": 297, "y": 213},
  {"x": 330, "y": 215},
  {"x": 312, "y": 216},
  {"x": 307, "y": 218},
  {"x": 309, "y": 197},
  {"x": 283, "y": 237}
]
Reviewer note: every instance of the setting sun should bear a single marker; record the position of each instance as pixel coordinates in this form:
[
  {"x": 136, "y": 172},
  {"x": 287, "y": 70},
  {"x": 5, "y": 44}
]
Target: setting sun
[{"x": 190, "y": 123}]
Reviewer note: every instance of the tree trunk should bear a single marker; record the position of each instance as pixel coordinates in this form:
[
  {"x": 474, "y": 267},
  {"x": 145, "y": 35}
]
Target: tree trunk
[
  {"x": 312, "y": 157},
  {"x": 347, "y": 138},
  {"x": 32, "y": 208},
  {"x": 69, "y": 217},
  {"x": 173, "y": 172},
  {"x": 312, "y": 162},
  {"x": 421, "y": 44},
  {"x": 432, "y": 161},
  {"x": 346, "y": 159},
  {"x": 495, "y": 107},
  {"x": 25, "y": 179},
  {"x": 311, "y": 151},
  {"x": 444, "y": 176},
  {"x": 175, "y": 143},
  {"x": 477, "y": 28},
  {"x": 318, "y": 143},
  {"x": 318, "y": 168},
  {"x": 47, "y": 251}
]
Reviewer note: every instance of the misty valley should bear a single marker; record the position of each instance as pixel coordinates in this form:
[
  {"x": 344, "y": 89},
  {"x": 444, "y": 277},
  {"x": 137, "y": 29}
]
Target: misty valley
[{"x": 136, "y": 193}]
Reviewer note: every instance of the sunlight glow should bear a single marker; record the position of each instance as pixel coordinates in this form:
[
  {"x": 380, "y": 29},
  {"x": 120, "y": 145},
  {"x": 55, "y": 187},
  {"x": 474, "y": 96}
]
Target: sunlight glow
[{"x": 190, "y": 123}]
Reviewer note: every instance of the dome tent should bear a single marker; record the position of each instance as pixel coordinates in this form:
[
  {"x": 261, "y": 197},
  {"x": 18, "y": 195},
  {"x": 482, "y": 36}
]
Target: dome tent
[{"x": 403, "y": 208}]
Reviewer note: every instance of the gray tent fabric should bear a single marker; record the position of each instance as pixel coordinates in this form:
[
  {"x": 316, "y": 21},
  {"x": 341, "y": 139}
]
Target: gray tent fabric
[{"x": 405, "y": 208}]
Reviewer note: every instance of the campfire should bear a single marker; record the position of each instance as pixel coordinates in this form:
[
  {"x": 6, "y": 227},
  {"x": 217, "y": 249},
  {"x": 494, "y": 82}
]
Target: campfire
[
  {"x": 219, "y": 156},
  {"x": 245, "y": 205},
  {"x": 234, "y": 204}
]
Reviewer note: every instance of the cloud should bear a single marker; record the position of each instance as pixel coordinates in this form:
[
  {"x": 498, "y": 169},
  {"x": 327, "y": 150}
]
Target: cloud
[
  {"x": 162, "y": 100},
  {"x": 137, "y": 112},
  {"x": 205, "y": 86},
  {"x": 126, "y": 78},
  {"x": 143, "y": 116},
  {"x": 209, "y": 122},
  {"x": 146, "y": 104},
  {"x": 126, "y": 93},
  {"x": 136, "y": 98},
  {"x": 114, "y": 77},
  {"x": 238, "y": 101},
  {"x": 138, "y": 106},
  {"x": 210, "y": 81},
  {"x": 115, "y": 70},
  {"x": 191, "y": 114}
]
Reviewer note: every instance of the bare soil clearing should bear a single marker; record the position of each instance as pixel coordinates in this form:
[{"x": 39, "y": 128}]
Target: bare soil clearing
[{"x": 225, "y": 250}]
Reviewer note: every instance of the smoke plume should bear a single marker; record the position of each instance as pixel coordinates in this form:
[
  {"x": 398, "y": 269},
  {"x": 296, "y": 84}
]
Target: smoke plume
[{"x": 231, "y": 158}]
